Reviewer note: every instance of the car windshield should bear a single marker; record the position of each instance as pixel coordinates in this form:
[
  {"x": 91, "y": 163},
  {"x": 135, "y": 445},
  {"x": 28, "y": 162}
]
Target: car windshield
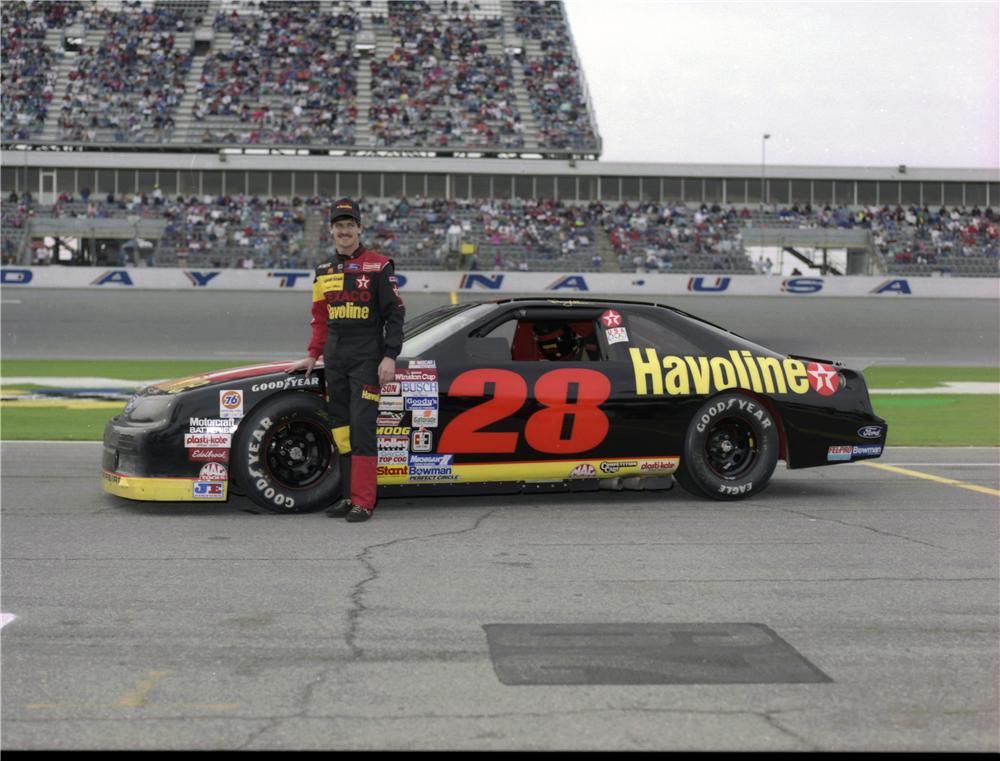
[{"x": 426, "y": 330}]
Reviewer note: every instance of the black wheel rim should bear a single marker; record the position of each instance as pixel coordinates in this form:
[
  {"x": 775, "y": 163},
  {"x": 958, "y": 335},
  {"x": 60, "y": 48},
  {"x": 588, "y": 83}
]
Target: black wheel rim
[
  {"x": 731, "y": 449},
  {"x": 298, "y": 453}
]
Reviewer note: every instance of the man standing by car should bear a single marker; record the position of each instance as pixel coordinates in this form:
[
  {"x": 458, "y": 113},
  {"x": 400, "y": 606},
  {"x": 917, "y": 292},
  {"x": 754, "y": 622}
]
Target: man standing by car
[{"x": 357, "y": 325}]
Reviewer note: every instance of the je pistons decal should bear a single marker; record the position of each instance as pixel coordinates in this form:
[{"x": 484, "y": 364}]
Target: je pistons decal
[{"x": 704, "y": 375}]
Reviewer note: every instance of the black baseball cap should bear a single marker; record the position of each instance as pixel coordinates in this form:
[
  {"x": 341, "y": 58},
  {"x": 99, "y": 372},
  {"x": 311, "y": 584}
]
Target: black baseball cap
[{"x": 345, "y": 207}]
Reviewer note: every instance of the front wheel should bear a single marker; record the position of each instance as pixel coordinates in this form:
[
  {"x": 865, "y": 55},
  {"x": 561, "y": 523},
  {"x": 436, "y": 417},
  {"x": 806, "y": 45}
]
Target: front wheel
[
  {"x": 283, "y": 456},
  {"x": 730, "y": 450}
]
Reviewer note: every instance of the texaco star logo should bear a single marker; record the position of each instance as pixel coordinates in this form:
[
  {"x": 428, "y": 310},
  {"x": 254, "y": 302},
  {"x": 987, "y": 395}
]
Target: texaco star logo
[
  {"x": 362, "y": 282},
  {"x": 823, "y": 378},
  {"x": 611, "y": 319}
]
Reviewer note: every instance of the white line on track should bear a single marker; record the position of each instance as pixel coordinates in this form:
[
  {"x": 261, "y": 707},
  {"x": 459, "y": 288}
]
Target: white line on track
[{"x": 6, "y": 618}]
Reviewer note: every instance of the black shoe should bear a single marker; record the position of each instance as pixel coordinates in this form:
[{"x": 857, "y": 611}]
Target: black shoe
[
  {"x": 339, "y": 509},
  {"x": 358, "y": 514}
]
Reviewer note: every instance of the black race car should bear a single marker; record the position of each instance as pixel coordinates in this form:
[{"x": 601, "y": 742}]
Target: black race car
[{"x": 503, "y": 396}]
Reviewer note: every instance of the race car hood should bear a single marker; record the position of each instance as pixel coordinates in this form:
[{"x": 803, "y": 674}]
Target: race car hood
[{"x": 176, "y": 385}]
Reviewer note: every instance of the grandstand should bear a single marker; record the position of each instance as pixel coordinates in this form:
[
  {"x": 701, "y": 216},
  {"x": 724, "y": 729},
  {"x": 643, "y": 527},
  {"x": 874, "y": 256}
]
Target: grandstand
[{"x": 216, "y": 133}]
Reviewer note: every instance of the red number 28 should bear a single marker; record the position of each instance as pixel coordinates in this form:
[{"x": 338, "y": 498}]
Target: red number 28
[{"x": 570, "y": 420}]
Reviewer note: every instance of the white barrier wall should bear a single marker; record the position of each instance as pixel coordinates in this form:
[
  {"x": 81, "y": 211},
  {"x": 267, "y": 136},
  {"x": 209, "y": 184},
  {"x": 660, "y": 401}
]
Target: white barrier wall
[{"x": 487, "y": 284}]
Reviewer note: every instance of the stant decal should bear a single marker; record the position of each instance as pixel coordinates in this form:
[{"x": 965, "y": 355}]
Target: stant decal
[
  {"x": 703, "y": 375},
  {"x": 391, "y": 470}
]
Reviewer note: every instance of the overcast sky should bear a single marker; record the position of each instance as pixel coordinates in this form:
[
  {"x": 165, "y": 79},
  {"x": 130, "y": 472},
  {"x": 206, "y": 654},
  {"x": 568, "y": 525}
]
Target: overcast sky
[{"x": 834, "y": 83}]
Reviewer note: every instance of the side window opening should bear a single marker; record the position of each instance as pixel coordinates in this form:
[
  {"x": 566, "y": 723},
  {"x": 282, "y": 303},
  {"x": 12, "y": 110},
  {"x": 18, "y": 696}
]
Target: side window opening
[{"x": 555, "y": 340}]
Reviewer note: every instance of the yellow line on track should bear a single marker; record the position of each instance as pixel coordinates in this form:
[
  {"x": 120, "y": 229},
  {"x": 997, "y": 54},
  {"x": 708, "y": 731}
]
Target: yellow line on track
[
  {"x": 929, "y": 477},
  {"x": 137, "y": 697}
]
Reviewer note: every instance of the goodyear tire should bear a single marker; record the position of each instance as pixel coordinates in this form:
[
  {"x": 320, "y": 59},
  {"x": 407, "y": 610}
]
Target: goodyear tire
[
  {"x": 283, "y": 457},
  {"x": 730, "y": 449}
]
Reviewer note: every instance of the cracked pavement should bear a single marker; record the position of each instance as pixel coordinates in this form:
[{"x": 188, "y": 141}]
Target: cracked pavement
[{"x": 169, "y": 626}]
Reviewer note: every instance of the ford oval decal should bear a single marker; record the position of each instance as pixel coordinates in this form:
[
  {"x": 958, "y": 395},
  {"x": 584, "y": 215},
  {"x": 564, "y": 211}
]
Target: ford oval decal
[{"x": 870, "y": 431}]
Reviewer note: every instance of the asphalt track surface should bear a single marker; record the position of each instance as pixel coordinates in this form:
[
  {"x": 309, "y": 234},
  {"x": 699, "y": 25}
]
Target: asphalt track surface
[{"x": 180, "y": 626}]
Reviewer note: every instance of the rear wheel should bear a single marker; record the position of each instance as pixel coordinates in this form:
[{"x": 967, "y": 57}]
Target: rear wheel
[
  {"x": 730, "y": 450},
  {"x": 283, "y": 456}
]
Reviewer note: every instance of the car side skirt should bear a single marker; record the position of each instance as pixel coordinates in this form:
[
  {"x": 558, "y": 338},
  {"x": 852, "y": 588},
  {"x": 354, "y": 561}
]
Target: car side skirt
[
  {"x": 546, "y": 470},
  {"x": 164, "y": 489}
]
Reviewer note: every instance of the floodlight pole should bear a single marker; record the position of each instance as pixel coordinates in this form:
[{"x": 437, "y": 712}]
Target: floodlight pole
[{"x": 763, "y": 170}]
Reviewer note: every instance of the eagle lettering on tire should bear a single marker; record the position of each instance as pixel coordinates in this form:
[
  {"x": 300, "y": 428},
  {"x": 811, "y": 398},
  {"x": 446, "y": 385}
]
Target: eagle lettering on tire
[
  {"x": 730, "y": 448},
  {"x": 283, "y": 456}
]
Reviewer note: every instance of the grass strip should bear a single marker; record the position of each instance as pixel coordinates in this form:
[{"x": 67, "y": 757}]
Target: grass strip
[
  {"x": 903, "y": 376},
  {"x": 123, "y": 369}
]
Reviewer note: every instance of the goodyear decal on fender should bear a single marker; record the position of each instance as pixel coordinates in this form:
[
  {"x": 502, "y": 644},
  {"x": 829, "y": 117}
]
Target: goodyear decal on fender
[
  {"x": 677, "y": 376},
  {"x": 549, "y": 470}
]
